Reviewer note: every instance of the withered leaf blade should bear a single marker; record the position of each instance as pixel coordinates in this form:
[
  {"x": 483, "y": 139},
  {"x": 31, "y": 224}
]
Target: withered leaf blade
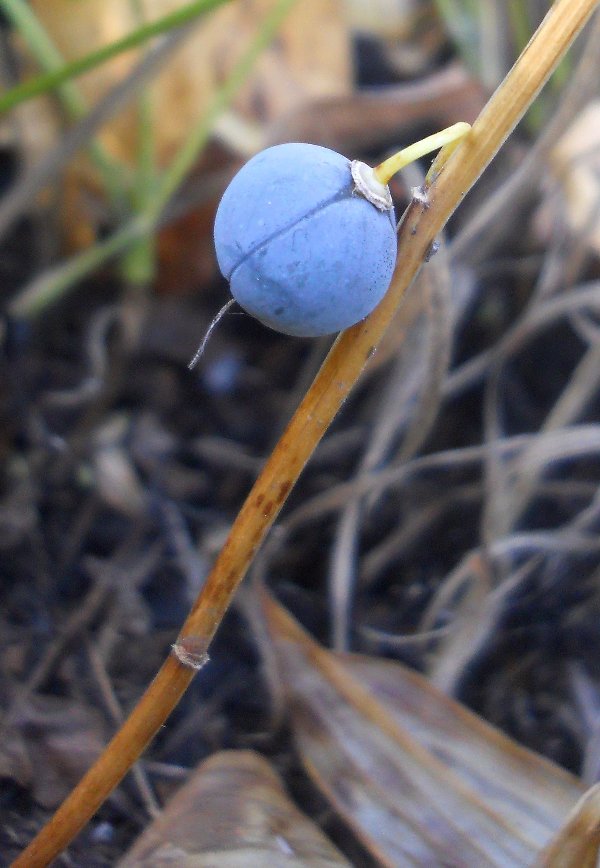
[
  {"x": 576, "y": 845},
  {"x": 575, "y": 161},
  {"x": 47, "y": 745},
  {"x": 418, "y": 778},
  {"x": 310, "y": 59},
  {"x": 233, "y": 812}
]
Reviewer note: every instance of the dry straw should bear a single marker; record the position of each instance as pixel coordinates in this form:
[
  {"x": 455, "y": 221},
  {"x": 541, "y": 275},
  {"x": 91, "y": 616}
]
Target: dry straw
[{"x": 424, "y": 220}]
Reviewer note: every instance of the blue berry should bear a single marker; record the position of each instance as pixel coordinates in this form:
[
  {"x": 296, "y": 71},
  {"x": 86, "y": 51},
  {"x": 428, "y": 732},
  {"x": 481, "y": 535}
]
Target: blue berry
[{"x": 303, "y": 251}]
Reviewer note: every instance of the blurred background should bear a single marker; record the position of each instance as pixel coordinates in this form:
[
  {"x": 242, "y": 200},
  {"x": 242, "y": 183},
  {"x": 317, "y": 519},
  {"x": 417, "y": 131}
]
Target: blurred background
[{"x": 449, "y": 520}]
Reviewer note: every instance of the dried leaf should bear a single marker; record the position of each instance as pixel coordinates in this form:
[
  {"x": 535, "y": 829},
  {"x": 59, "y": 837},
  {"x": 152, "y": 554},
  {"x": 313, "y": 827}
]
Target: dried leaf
[
  {"x": 233, "y": 811},
  {"x": 48, "y": 745},
  {"x": 408, "y": 32},
  {"x": 15, "y": 764},
  {"x": 576, "y": 162},
  {"x": 115, "y": 477},
  {"x": 578, "y": 842},
  {"x": 420, "y": 779},
  {"x": 389, "y": 19},
  {"x": 311, "y": 58},
  {"x": 367, "y": 118}
]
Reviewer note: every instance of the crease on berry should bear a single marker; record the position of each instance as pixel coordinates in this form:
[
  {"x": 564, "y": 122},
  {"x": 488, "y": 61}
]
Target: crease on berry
[{"x": 264, "y": 242}]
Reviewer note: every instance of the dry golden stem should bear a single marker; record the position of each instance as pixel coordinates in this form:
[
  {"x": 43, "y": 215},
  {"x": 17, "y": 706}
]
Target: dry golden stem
[{"x": 425, "y": 218}]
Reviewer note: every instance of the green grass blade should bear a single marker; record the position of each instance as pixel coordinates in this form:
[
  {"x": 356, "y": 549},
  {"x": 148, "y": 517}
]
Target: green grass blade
[
  {"x": 53, "y": 285},
  {"x": 24, "y": 19},
  {"x": 20, "y": 14}
]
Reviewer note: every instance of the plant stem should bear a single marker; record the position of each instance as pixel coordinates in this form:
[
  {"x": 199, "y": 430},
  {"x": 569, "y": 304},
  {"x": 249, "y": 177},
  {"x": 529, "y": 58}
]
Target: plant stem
[
  {"x": 445, "y": 138},
  {"x": 60, "y": 72},
  {"x": 422, "y": 222}
]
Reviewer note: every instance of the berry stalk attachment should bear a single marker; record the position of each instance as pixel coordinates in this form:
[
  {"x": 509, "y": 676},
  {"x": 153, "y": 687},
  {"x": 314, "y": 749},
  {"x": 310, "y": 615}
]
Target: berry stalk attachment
[{"x": 298, "y": 238}]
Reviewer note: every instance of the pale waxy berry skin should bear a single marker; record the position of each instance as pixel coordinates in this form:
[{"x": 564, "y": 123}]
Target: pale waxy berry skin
[{"x": 303, "y": 251}]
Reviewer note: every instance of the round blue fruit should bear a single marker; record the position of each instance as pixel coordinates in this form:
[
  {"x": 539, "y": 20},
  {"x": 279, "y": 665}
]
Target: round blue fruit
[{"x": 303, "y": 251}]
